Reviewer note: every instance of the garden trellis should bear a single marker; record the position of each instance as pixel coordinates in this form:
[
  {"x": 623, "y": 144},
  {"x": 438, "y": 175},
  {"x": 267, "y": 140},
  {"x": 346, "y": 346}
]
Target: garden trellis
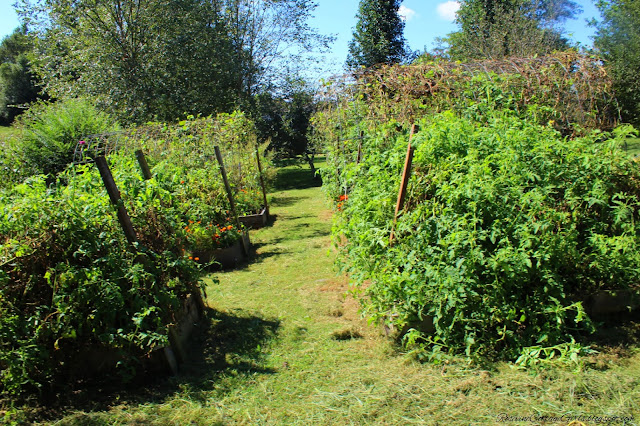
[{"x": 574, "y": 89}]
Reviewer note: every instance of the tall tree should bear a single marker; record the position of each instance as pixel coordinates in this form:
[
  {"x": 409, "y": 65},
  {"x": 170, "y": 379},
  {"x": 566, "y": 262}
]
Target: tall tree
[
  {"x": 378, "y": 37},
  {"x": 618, "y": 40},
  {"x": 18, "y": 84},
  {"x": 140, "y": 58},
  {"x": 271, "y": 39},
  {"x": 494, "y": 29},
  {"x": 160, "y": 59}
]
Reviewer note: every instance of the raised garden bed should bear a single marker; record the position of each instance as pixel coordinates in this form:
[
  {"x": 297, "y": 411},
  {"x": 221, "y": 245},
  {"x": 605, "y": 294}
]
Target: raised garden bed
[
  {"x": 608, "y": 302},
  {"x": 99, "y": 360},
  {"x": 226, "y": 258},
  {"x": 255, "y": 221}
]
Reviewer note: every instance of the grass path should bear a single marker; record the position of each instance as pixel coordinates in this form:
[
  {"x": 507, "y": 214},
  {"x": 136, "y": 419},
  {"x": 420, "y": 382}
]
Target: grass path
[{"x": 285, "y": 346}]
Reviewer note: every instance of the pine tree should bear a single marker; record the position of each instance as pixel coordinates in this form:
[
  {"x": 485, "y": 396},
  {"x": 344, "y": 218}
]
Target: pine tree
[{"x": 378, "y": 37}]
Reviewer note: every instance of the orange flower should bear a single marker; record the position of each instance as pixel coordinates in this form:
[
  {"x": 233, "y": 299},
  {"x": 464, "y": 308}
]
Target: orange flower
[
  {"x": 196, "y": 259},
  {"x": 190, "y": 257}
]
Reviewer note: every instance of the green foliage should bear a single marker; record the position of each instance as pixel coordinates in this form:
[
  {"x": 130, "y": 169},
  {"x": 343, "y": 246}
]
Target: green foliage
[
  {"x": 51, "y": 132},
  {"x": 154, "y": 60},
  {"x": 507, "y": 228},
  {"x": 509, "y": 28},
  {"x": 18, "y": 84},
  {"x": 284, "y": 121},
  {"x": 190, "y": 144},
  {"x": 71, "y": 284},
  {"x": 378, "y": 37},
  {"x": 618, "y": 39},
  {"x": 139, "y": 60}
]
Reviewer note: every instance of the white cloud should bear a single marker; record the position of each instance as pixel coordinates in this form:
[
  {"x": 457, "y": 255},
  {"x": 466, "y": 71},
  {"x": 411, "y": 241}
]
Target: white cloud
[
  {"x": 406, "y": 14},
  {"x": 448, "y": 9}
]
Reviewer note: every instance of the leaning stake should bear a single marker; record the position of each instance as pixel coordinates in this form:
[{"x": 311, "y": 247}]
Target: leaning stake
[
  {"x": 406, "y": 174},
  {"x": 144, "y": 166},
  {"x": 264, "y": 191},
  {"x": 114, "y": 196},
  {"x": 227, "y": 187}
]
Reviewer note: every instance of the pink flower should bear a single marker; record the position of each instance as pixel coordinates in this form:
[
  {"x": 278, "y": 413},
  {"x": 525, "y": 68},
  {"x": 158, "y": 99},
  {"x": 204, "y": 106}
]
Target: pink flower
[{"x": 81, "y": 143}]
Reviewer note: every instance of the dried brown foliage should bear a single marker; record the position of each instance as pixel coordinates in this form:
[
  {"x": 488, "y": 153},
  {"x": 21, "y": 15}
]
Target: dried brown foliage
[{"x": 568, "y": 89}]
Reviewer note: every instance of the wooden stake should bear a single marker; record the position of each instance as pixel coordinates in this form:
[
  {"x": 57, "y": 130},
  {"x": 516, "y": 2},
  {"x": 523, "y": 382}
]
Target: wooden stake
[
  {"x": 359, "y": 157},
  {"x": 227, "y": 187},
  {"x": 114, "y": 196},
  {"x": 406, "y": 174},
  {"x": 146, "y": 173},
  {"x": 264, "y": 191}
]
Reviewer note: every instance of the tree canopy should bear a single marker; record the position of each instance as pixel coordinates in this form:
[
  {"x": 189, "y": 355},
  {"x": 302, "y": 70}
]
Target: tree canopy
[
  {"x": 495, "y": 29},
  {"x": 146, "y": 59},
  {"x": 618, "y": 40},
  {"x": 18, "y": 84},
  {"x": 378, "y": 37}
]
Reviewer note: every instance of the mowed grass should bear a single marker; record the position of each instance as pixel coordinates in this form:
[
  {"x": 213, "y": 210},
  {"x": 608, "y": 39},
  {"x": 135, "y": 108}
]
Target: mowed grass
[
  {"x": 7, "y": 132},
  {"x": 632, "y": 147},
  {"x": 284, "y": 344}
]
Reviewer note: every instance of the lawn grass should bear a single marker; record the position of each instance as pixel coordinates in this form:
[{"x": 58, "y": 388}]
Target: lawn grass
[
  {"x": 7, "y": 132},
  {"x": 285, "y": 344},
  {"x": 632, "y": 147}
]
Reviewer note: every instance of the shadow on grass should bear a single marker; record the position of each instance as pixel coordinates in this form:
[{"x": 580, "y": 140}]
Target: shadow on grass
[
  {"x": 224, "y": 351},
  {"x": 285, "y": 200},
  {"x": 296, "y": 178},
  {"x": 310, "y": 230},
  {"x": 260, "y": 252}
]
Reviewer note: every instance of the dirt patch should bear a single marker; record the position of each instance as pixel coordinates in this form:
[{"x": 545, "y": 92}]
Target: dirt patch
[
  {"x": 325, "y": 215},
  {"x": 335, "y": 285}
]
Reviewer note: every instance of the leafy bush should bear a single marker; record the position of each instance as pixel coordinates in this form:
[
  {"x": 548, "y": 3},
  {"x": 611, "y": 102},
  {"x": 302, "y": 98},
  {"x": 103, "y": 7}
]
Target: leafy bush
[
  {"x": 70, "y": 283},
  {"x": 190, "y": 144},
  {"x": 507, "y": 228},
  {"x": 51, "y": 132}
]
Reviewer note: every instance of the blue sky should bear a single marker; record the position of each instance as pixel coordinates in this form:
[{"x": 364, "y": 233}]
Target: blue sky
[{"x": 425, "y": 21}]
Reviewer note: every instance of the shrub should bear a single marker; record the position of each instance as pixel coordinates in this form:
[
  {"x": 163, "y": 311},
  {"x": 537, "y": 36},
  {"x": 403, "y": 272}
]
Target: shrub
[
  {"x": 51, "y": 132},
  {"x": 507, "y": 228},
  {"x": 71, "y": 283}
]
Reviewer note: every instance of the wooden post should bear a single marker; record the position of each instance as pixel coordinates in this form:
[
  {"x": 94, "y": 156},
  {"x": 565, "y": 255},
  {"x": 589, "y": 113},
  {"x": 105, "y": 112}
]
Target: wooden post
[
  {"x": 146, "y": 173},
  {"x": 264, "y": 190},
  {"x": 227, "y": 187},
  {"x": 406, "y": 173},
  {"x": 359, "y": 157},
  {"x": 114, "y": 196}
]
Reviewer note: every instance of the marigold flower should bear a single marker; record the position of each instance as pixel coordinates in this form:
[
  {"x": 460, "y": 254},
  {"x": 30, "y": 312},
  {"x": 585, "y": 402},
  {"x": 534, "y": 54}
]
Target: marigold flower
[
  {"x": 196, "y": 259},
  {"x": 190, "y": 257}
]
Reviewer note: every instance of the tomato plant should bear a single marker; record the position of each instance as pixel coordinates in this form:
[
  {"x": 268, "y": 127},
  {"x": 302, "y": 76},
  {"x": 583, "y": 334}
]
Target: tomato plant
[{"x": 507, "y": 228}]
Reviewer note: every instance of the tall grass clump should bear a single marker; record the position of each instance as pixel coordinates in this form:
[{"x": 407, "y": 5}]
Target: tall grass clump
[{"x": 51, "y": 131}]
